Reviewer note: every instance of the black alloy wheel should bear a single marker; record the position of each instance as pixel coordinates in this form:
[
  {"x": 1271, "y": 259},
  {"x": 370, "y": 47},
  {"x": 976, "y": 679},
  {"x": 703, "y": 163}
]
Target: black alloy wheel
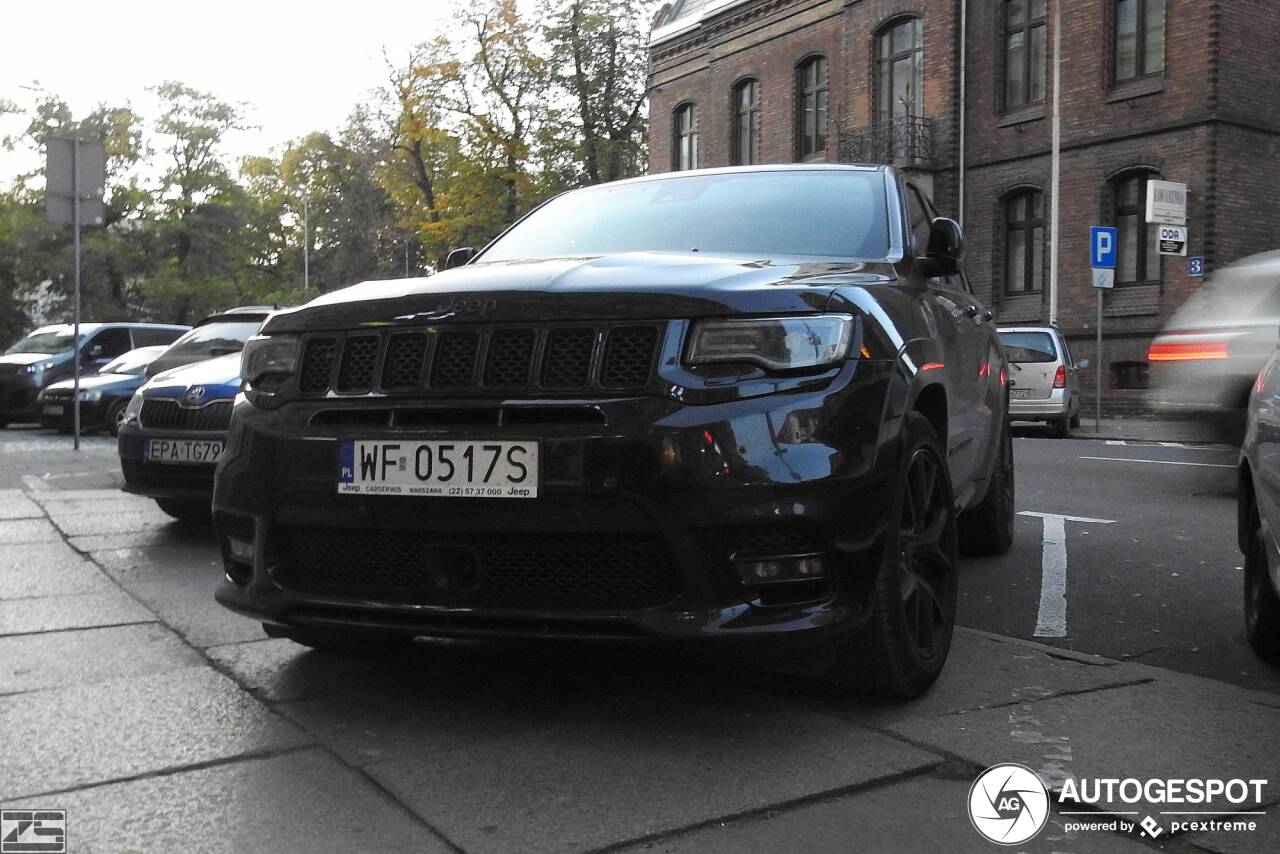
[
  {"x": 1261, "y": 603},
  {"x": 926, "y": 564}
]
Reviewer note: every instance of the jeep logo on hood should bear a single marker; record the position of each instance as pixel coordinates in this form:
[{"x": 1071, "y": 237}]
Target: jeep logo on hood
[{"x": 455, "y": 307}]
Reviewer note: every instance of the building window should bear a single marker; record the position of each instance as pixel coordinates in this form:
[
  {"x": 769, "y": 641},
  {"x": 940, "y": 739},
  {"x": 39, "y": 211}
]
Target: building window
[
  {"x": 685, "y": 151},
  {"x": 1024, "y": 242},
  {"x": 1024, "y": 54},
  {"x": 1138, "y": 249},
  {"x": 746, "y": 125},
  {"x": 1139, "y": 33},
  {"x": 900, "y": 70},
  {"x": 811, "y": 109}
]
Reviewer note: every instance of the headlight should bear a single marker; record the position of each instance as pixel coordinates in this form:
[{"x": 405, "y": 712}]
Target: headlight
[
  {"x": 135, "y": 406},
  {"x": 37, "y": 367},
  {"x": 775, "y": 343},
  {"x": 268, "y": 356},
  {"x": 91, "y": 396}
]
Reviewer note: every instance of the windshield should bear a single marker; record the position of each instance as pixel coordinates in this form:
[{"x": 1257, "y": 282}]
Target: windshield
[
  {"x": 223, "y": 336},
  {"x": 1029, "y": 346},
  {"x": 44, "y": 342},
  {"x": 822, "y": 213},
  {"x": 132, "y": 363}
]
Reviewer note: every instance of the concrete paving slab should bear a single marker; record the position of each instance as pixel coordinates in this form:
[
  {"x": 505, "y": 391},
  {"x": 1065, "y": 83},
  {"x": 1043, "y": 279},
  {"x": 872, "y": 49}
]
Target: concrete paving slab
[
  {"x": 1174, "y": 728},
  {"x": 55, "y": 659},
  {"x": 108, "y": 521},
  {"x": 197, "y": 558},
  {"x": 984, "y": 672},
  {"x": 48, "y": 569},
  {"x": 14, "y": 504},
  {"x": 923, "y": 815},
  {"x": 301, "y": 801},
  {"x": 120, "y": 728},
  {"x": 156, "y": 537},
  {"x": 61, "y": 501},
  {"x": 611, "y": 775},
  {"x": 18, "y": 531},
  {"x": 187, "y": 604},
  {"x": 110, "y": 607}
]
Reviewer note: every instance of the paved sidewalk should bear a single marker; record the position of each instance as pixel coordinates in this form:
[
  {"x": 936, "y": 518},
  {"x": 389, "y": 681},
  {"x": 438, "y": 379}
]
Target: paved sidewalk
[
  {"x": 161, "y": 722},
  {"x": 1146, "y": 429}
]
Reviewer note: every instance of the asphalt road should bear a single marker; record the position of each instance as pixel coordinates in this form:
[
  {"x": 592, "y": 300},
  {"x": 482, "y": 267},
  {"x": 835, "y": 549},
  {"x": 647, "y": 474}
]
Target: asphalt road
[{"x": 1161, "y": 583}]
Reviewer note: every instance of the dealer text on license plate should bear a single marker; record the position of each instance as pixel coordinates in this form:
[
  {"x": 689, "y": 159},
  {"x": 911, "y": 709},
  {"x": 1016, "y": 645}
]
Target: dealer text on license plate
[
  {"x": 184, "y": 451},
  {"x": 1022, "y": 393},
  {"x": 450, "y": 468}
]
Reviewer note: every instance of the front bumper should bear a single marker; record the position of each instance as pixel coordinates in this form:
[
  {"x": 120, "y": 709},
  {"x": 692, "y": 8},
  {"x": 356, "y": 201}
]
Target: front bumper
[
  {"x": 1056, "y": 405},
  {"x": 661, "y": 496},
  {"x": 92, "y": 414},
  {"x": 185, "y": 482},
  {"x": 18, "y": 398}
]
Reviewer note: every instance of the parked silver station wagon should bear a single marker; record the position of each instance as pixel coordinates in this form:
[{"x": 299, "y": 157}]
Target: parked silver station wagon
[{"x": 1044, "y": 383}]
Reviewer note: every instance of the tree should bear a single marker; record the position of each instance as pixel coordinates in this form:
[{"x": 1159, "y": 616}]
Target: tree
[{"x": 598, "y": 56}]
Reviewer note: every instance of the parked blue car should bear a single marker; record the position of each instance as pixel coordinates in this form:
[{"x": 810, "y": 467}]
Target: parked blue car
[{"x": 173, "y": 432}]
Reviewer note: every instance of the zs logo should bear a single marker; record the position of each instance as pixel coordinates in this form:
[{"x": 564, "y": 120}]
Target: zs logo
[{"x": 32, "y": 831}]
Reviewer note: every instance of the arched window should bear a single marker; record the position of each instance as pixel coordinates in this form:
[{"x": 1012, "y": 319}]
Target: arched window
[
  {"x": 746, "y": 123},
  {"x": 1138, "y": 244},
  {"x": 900, "y": 69},
  {"x": 1139, "y": 38},
  {"x": 1024, "y": 242},
  {"x": 1024, "y": 53},
  {"x": 685, "y": 142},
  {"x": 811, "y": 108}
]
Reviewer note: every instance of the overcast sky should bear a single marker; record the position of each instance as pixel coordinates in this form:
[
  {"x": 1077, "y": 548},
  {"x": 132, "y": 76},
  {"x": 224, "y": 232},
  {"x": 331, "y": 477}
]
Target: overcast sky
[{"x": 300, "y": 66}]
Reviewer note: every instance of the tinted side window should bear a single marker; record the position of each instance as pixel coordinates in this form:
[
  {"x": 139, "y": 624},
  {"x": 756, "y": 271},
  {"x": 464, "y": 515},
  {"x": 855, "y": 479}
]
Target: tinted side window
[
  {"x": 153, "y": 337},
  {"x": 109, "y": 343},
  {"x": 920, "y": 220}
]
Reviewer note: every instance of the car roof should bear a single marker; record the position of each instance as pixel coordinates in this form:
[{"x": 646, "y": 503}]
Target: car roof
[
  {"x": 94, "y": 327},
  {"x": 241, "y": 314},
  {"x": 734, "y": 170},
  {"x": 1053, "y": 330}
]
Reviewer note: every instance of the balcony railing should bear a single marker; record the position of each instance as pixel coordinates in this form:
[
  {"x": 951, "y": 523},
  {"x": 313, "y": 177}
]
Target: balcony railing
[{"x": 900, "y": 141}]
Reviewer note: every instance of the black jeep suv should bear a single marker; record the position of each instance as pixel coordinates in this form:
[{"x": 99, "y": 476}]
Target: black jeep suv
[{"x": 751, "y": 407}]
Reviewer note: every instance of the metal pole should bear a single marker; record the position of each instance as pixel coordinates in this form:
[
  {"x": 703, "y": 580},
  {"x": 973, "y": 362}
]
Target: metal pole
[
  {"x": 75, "y": 352},
  {"x": 1055, "y": 180},
  {"x": 964, "y": 39},
  {"x": 1097, "y": 371},
  {"x": 406, "y": 259},
  {"x": 306, "y": 247}
]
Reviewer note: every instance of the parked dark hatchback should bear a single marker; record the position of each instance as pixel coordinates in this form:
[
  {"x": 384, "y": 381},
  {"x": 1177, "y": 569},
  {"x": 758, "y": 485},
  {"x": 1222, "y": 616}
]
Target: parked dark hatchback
[
  {"x": 751, "y": 407},
  {"x": 217, "y": 335},
  {"x": 45, "y": 357}
]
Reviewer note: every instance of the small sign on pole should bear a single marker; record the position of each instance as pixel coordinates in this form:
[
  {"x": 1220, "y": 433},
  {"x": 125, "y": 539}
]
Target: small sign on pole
[{"x": 1102, "y": 260}]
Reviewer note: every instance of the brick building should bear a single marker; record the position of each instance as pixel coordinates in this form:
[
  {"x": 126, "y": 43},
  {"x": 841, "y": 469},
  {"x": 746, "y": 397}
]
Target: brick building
[{"x": 1182, "y": 90}]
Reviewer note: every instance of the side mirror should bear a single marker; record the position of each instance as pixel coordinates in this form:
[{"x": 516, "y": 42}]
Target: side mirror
[
  {"x": 1082, "y": 364},
  {"x": 946, "y": 246},
  {"x": 95, "y": 352},
  {"x": 458, "y": 257}
]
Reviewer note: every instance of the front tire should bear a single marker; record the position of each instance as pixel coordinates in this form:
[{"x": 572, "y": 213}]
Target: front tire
[
  {"x": 185, "y": 511},
  {"x": 987, "y": 529},
  {"x": 1062, "y": 427},
  {"x": 115, "y": 416},
  {"x": 901, "y": 650},
  {"x": 1261, "y": 604}
]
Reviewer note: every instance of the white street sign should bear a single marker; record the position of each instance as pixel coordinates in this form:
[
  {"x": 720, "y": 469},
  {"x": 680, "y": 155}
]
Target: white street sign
[
  {"x": 1173, "y": 239},
  {"x": 1167, "y": 202},
  {"x": 1104, "y": 277}
]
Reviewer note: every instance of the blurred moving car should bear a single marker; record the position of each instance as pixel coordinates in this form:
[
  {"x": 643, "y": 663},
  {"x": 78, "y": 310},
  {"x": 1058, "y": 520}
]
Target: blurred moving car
[
  {"x": 45, "y": 357},
  {"x": 1259, "y": 512},
  {"x": 1044, "y": 383},
  {"x": 1212, "y": 348},
  {"x": 173, "y": 432},
  {"x": 216, "y": 335},
  {"x": 103, "y": 397}
]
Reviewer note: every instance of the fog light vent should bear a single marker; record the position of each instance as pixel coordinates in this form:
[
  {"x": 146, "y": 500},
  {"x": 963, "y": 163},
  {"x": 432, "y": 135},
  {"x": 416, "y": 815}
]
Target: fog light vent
[{"x": 781, "y": 570}]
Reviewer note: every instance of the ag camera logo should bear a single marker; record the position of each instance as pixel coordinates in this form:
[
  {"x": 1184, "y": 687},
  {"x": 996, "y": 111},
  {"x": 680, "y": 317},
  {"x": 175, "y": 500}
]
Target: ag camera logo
[{"x": 1008, "y": 804}]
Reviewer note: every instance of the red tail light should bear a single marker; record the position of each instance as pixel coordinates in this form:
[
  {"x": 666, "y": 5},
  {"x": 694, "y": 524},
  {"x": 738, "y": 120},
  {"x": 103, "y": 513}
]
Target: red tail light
[
  {"x": 1186, "y": 351},
  {"x": 1060, "y": 378}
]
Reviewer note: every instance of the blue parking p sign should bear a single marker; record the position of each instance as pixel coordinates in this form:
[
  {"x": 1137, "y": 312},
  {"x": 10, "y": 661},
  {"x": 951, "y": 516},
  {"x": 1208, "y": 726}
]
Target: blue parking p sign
[{"x": 1102, "y": 247}]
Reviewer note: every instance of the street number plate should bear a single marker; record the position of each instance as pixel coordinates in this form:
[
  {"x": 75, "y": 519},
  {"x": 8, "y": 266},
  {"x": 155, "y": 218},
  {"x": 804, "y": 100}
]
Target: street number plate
[
  {"x": 184, "y": 451},
  {"x": 448, "y": 468}
]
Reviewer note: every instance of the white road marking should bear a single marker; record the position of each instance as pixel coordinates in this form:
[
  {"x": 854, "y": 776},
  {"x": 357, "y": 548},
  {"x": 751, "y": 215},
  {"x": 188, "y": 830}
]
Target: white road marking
[
  {"x": 34, "y": 483},
  {"x": 1051, "y": 621},
  {"x": 1159, "y": 462},
  {"x": 1124, "y": 443}
]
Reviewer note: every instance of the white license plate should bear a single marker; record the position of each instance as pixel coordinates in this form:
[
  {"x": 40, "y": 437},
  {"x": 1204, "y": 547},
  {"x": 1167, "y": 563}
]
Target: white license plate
[
  {"x": 52, "y": 410},
  {"x": 1022, "y": 394},
  {"x": 448, "y": 468},
  {"x": 184, "y": 451}
]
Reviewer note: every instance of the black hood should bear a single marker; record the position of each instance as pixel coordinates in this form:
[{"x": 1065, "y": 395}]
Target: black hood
[{"x": 630, "y": 286}]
